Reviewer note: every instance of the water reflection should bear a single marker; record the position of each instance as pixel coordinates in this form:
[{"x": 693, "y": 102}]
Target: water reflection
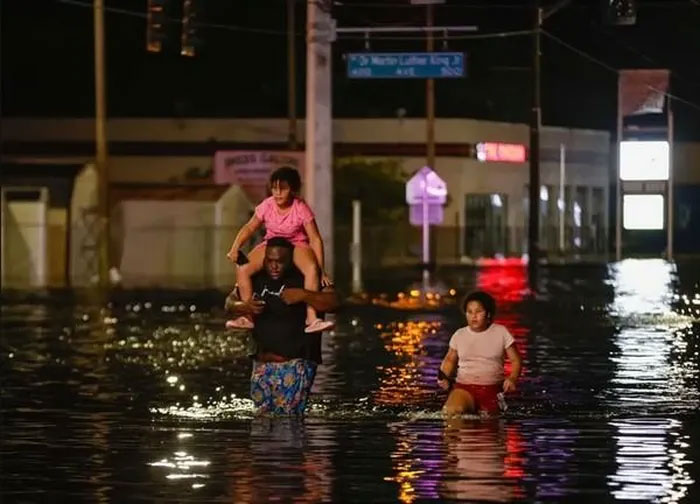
[
  {"x": 92, "y": 391},
  {"x": 409, "y": 379},
  {"x": 652, "y": 464},
  {"x": 179, "y": 467},
  {"x": 653, "y": 372},
  {"x": 285, "y": 459},
  {"x": 462, "y": 459},
  {"x": 549, "y": 451},
  {"x": 642, "y": 286},
  {"x": 509, "y": 285},
  {"x": 651, "y": 367},
  {"x": 487, "y": 461}
]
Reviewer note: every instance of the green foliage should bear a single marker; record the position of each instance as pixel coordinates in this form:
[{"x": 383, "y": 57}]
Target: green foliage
[{"x": 379, "y": 184}]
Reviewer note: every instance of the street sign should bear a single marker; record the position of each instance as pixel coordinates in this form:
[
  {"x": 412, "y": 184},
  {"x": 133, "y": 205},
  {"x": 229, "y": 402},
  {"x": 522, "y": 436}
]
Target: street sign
[
  {"x": 426, "y": 65},
  {"x": 435, "y": 214},
  {"x": 426, "y": 184}
]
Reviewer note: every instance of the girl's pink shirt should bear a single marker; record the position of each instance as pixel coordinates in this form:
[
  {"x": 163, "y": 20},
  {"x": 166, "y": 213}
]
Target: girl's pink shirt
[{"x": 289, "y": 225}]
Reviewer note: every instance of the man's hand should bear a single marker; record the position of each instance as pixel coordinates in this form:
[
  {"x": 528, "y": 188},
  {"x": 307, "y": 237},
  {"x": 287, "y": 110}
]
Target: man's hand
[
  {"x": 509, "y": 385},
  {"x": 293, "y": 295},
  {"x": 252, "y": 307},
  {"x": 236, "y": 306}
]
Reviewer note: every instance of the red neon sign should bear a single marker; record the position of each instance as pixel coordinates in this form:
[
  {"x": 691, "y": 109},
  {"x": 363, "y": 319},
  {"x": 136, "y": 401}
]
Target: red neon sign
[{"x": 501, "y": 152}]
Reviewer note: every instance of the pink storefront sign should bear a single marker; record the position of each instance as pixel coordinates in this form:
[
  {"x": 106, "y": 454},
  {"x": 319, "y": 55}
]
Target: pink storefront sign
[{"x": 251, "y": 169}]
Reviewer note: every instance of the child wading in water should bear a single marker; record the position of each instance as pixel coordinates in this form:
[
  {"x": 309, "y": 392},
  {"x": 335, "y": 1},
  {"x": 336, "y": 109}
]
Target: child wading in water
[
  {"x": 285, "y": 215},
  {"x": 476, "y": 354}
]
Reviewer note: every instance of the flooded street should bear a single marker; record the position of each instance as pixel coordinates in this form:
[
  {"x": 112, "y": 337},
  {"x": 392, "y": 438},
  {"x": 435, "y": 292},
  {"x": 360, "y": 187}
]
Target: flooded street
[{"x": 144, "y": 397}]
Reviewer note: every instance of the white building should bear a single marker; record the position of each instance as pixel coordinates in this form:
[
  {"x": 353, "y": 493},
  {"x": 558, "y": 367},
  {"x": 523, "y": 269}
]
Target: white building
[{"x": 486, "y": 214}]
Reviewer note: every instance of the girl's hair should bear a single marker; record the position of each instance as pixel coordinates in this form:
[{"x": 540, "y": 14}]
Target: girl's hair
[
  {"x": 486, "y": 300},
  {"x": 286, "y": 174}
]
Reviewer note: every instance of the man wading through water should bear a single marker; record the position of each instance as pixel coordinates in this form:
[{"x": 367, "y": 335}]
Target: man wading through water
[{"x": 286, "y": 357}]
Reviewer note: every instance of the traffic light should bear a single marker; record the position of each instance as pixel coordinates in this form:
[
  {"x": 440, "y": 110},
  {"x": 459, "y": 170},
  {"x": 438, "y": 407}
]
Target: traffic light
[
  {"x": 620, "y": 12},
  {"x": 156, "y": 25},
  {"x": 188, "y": 40}
]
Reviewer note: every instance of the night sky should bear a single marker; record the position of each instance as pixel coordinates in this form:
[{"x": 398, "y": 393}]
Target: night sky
[{"x": 241, "y": 69}]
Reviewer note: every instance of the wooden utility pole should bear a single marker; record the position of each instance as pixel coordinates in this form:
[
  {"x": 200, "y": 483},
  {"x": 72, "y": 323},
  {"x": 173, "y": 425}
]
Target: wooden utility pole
[
  {"x": 291, "y": 75},
  {"x": 101, "y": 145},
  {"x": 430, "y": 97}
]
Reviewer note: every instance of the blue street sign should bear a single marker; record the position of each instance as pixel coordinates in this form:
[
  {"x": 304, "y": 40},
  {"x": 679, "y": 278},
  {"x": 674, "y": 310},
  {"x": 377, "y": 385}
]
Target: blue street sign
[{"x": 435, "y": 65}]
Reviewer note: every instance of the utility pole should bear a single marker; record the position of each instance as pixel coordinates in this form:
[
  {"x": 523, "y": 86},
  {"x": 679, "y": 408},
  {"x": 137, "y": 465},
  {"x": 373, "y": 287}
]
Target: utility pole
[
  {"x": 291, "y": 75},
  {"x": 535, "y": 123},
  {"x": 430, "y": 96},
  {"x": 101, "y": 144},
  {"x": 318, "y": 181}
]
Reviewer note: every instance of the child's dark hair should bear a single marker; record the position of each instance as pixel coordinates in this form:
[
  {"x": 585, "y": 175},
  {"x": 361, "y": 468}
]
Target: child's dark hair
[
  {"x": 486, "y": 300},
  {"x": 286, "y": 174}
]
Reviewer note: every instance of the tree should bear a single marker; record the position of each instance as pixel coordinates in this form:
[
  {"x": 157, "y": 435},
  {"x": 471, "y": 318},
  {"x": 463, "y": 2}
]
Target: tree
[{"x": 378, "y": 184}]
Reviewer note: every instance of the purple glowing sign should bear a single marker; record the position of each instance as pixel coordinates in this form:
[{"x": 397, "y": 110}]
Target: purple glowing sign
[
  {"x": 435, "y": 214},
  {"x": 426, "y": 185}
]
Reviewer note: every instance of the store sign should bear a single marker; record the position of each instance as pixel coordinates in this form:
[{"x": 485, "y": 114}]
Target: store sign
[
  {"x": 644, "y": 160},
  {"x": 501, "y": 152},
  {"x": 251, "y": 169}
]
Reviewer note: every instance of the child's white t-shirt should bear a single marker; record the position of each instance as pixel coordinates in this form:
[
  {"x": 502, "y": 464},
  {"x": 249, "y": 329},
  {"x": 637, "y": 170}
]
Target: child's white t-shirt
[{"x": 480, "y": 354}]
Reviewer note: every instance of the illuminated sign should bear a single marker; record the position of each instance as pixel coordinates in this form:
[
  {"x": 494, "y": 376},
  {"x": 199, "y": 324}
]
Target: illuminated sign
[
  {"x": 426, "y": 184},
  {"x": 643, "y": 211},
  {"x": 647, "y": 160},
  {"x": 501, "y": 152}
]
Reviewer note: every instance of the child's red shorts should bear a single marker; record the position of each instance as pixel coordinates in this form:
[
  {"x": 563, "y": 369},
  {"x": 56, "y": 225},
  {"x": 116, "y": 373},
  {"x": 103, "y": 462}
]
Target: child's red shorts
[{"x": 485, "y": 396}]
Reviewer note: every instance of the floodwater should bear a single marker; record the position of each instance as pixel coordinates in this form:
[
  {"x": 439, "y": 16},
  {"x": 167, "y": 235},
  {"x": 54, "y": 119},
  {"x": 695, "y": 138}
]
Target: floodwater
[{"x": 142, "y": 397}]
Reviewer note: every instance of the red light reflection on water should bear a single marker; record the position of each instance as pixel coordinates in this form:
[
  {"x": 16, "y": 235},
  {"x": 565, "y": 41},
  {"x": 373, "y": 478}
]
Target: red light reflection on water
[{"x": 507, "y": 281}]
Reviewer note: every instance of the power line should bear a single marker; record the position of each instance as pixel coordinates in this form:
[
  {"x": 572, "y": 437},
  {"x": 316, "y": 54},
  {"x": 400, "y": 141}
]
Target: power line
[
  {"x": 579, "y": 51},
  {"x": 143, "y": 15},
  {"x": 266, "y": 31},
  {"x": 649, "y": 59},
  {"x": 506, "y": 34},
  {"x": 595, "y": 60}
]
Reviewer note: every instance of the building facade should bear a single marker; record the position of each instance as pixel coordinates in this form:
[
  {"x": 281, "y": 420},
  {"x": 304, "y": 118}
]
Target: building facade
[{"x": 484, "y": 164}]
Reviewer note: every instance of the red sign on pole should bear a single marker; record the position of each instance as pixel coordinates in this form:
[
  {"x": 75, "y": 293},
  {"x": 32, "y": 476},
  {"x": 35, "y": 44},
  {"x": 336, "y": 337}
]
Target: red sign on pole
[{"x": 501, "y": 152}]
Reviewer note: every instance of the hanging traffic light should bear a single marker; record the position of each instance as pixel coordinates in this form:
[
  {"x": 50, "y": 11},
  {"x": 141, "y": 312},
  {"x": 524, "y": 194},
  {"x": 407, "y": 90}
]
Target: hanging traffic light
[
  {"x": 188, "y": 40},
  {"x": 156, "y": 23},
  {"x": 620, "y": 12}
]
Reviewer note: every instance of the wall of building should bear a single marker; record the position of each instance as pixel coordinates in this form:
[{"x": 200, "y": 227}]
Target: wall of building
[{"x": 173, "y": 151}]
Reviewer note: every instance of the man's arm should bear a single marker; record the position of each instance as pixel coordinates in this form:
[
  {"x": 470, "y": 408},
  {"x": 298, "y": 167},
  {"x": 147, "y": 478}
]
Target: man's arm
[
  {"x": 324, "y": 301},
  {"x": 237, "y": 307}
]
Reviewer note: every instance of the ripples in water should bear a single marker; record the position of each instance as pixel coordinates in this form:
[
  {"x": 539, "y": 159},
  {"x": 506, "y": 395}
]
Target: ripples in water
[{"x": 144, "y": 397}]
